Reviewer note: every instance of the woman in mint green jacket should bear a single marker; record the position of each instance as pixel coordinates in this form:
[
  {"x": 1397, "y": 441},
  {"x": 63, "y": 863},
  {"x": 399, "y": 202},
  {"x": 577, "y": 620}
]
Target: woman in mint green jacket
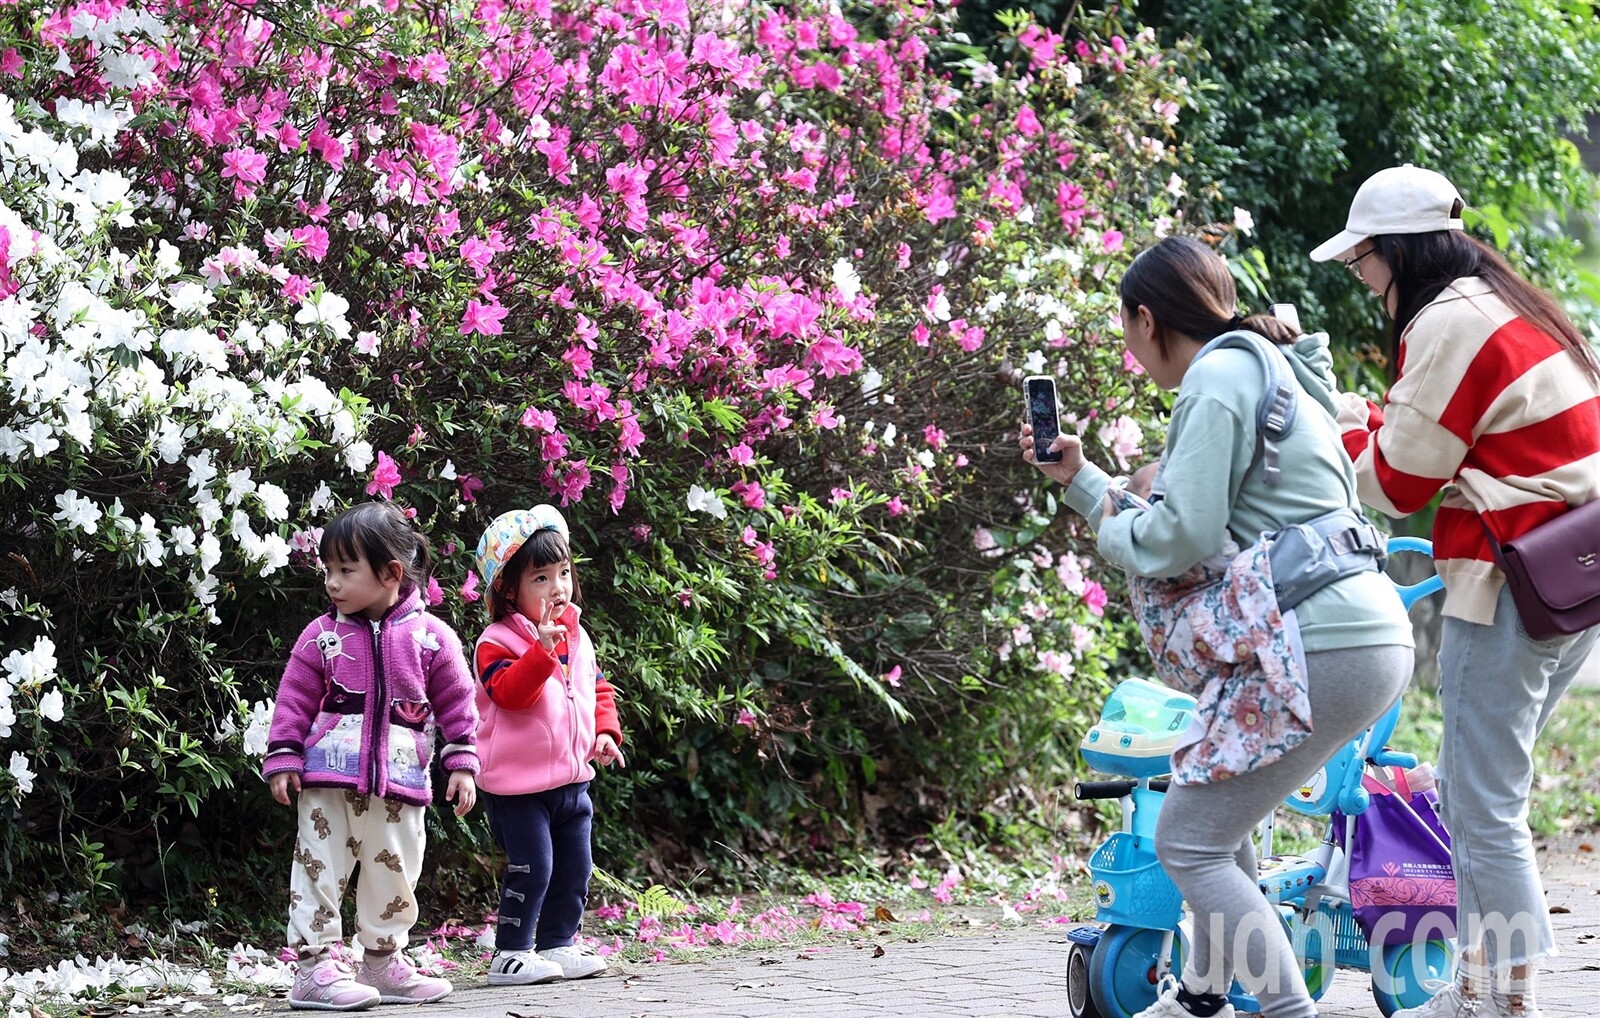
[{"x": 1353, "y": 634}]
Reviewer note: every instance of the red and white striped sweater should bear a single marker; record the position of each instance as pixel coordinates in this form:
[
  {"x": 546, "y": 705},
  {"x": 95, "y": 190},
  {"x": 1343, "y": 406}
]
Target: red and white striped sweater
[{"x": 1493, "y": 408}]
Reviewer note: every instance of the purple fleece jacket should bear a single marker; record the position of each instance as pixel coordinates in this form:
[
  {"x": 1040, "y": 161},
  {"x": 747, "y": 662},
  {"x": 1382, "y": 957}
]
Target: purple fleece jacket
[{"x": 360, "y": 700}]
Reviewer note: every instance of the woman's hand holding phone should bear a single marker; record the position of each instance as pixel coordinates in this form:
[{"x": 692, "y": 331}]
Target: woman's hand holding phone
[{"x": 1070, "y": 447}]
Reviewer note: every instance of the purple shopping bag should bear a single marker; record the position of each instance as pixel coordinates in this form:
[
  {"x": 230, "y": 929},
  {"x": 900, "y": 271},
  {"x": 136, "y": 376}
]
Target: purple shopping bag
[{"x": 1401, "y": 880}]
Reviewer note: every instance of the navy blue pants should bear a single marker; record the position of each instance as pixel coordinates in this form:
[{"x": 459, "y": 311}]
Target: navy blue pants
[{"x": 545, "y": 836}]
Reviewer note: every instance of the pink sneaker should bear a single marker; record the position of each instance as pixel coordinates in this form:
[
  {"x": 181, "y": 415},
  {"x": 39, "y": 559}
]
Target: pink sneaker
[
  {"x": 328, "y": 986},
  {"x": 399, "y": 982}
]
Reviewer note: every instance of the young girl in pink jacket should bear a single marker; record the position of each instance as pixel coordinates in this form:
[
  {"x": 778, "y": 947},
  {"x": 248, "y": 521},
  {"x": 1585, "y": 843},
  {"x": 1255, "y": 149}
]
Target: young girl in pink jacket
[{"x": 547, "y": 713}]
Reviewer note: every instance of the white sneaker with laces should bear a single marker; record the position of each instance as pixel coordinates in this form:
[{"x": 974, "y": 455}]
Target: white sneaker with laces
[
  {"x": 576, "y": 962},
  {"x": 520, "y": 968},
  {"x": 1453, "y": 1002},
  {"x": 1167, "y": 1006}
]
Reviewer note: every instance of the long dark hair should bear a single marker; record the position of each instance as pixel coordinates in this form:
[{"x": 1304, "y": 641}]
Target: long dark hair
[
  {"x": 1189, "y": 291},
  {"x": 542, "y": 548},
  {"x": 1421, "y": 265},
  {"x": 379, "y": 533}
]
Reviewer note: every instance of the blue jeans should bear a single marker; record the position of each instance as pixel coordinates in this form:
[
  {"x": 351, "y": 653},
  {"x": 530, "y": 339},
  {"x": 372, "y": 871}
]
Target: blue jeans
[
  {"x": 545, "y": 836},
  {"x": 1499, "y": 688}
]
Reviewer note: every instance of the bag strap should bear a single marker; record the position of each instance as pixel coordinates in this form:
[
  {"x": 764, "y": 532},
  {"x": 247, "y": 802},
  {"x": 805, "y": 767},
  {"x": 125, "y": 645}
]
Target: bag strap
[
  {"x": 1401, "y": 787},
  {"x": 1279, "y": 404}
]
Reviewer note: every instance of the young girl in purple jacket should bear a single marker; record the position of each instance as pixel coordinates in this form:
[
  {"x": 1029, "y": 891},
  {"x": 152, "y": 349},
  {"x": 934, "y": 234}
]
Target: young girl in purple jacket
[
  {"x": 367, "y": 685},
  {"x": 548, "y": 715}
]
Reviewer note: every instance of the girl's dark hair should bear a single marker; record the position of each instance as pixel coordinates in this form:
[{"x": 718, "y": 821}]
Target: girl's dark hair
[
  {"x": 379, "y": 533},
  {"x": 542, "y": 548},
  {"x": 1421, "y": 265},
  {"x": 1188, "y": 289}
]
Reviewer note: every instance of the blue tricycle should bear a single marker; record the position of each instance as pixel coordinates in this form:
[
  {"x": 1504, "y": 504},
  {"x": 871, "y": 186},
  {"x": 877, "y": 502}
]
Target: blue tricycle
[{"x": 1115, "y": 969}]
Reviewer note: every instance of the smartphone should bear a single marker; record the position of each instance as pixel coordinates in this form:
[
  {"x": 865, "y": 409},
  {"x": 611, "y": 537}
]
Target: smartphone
[{"x": 1043, "y": 415}]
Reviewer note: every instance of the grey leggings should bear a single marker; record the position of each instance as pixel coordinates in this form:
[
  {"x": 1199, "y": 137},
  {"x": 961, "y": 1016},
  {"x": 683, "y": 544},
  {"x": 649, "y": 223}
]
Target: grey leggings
[{"x": 1203, "y": 837}]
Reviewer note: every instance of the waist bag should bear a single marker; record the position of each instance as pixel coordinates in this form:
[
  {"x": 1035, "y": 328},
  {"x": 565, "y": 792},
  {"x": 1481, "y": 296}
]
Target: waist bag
[
  {"x": 1308, "y": 556},
  {"x": 1554, "y": 573}
]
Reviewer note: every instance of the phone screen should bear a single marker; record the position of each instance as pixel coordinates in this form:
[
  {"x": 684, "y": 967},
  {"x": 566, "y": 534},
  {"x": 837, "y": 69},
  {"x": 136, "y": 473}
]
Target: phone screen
[{"x": 1042, "y": 415}]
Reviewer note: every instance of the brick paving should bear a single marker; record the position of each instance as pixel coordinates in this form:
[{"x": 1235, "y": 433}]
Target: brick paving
[{"x": 1015, "y": 973}]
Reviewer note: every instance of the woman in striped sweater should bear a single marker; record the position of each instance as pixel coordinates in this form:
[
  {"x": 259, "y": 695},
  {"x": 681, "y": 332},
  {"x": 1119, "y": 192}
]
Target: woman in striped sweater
[{"x": 1496, "y": 403}]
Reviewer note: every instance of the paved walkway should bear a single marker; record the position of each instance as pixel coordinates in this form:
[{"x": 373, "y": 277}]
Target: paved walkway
[{"x": 1017, "y": 973}]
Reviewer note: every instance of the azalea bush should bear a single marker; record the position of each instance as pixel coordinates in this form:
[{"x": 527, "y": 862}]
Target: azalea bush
[{"x": 747, "y": 291}]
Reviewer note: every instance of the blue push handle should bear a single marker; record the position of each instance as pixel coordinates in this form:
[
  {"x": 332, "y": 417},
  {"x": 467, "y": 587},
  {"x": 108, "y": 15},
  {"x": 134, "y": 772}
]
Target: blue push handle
[
  {"x": 1389, "y": 758},
  {"x": 1410, "y": 595}
]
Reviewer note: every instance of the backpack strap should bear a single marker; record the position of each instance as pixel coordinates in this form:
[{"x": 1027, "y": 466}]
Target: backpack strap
[{"x": 1279, "y": 405}]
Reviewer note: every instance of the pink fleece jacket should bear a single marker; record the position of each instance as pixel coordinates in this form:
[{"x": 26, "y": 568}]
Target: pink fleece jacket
[{"x": 551, "y": 743}]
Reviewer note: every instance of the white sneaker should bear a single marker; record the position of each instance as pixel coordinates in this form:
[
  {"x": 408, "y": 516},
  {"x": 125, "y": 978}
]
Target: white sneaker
[
  {"x": 1451, "y": 1002},
  {"x": 519, "y": 968},
  {"x": 1167, "y": 1006},
  {"x": 576, "y": 962}
]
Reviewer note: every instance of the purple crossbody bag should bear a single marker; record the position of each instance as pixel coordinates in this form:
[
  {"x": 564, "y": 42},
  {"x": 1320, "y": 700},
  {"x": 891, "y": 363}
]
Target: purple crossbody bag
[{"x": 1554, "y": 573}]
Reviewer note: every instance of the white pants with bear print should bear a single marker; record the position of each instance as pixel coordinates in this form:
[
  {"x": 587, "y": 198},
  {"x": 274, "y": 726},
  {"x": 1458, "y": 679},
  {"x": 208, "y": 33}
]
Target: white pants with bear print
[{"x": 338, "y": 829}]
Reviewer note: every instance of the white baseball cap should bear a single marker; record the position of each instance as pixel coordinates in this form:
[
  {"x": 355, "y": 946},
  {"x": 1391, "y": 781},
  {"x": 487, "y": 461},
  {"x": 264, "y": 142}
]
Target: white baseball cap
[{"x": 1401, "y": 199}]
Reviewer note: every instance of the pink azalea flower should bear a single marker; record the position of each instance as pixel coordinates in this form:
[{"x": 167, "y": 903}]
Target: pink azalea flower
[
  {"x": 892, "y": 676},
  {"x": 477, "y": 255},
  {"x": 895, "y": 506},
  {"x": 823, "y": 417},
  {"x": 753, "y": 495},
  {"x": 935, "y": 437},
  {"x": 745, "y": 718},
  {"x": 313, "y": 241},
  {"x": 435, "y": 594},
  {"x": 470, "y": 486},
  {"x": 839, "y": 496},
  {"x": 384, "y": 477},
  {"x": 1094, "y": 595},
  {"x": 1111, "y": 240},
  {"x": 469, "y": 589},
  {"x": 1028, "y": 122},
  {"x": 1070, "y": 202},
  {"x": 483, "y": 319},
  {"x": 247, "y": 167},
  {"x": 742, "y": 454},
  {"x": 553, "y": 447},
  {"x": 543, "y": 420}
]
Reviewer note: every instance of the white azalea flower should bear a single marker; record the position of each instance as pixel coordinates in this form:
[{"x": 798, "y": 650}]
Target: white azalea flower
[
  {"x": 327, "y": 309},
  {"x": 846, "y": 280},
  {"x": 52, "y": 705},
  {"x": 257, "y": 728},
  {"x": 701, "y": 500},
  {"x": 274, "y": 501},
  {"x": 77, "y": 511},
  {"x": 1243, "y": 221},
  {"x": 20, "y": 771}
]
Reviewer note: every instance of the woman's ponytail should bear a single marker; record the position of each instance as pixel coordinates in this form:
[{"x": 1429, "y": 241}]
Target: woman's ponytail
[{"x": 1272, "y": 327}]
